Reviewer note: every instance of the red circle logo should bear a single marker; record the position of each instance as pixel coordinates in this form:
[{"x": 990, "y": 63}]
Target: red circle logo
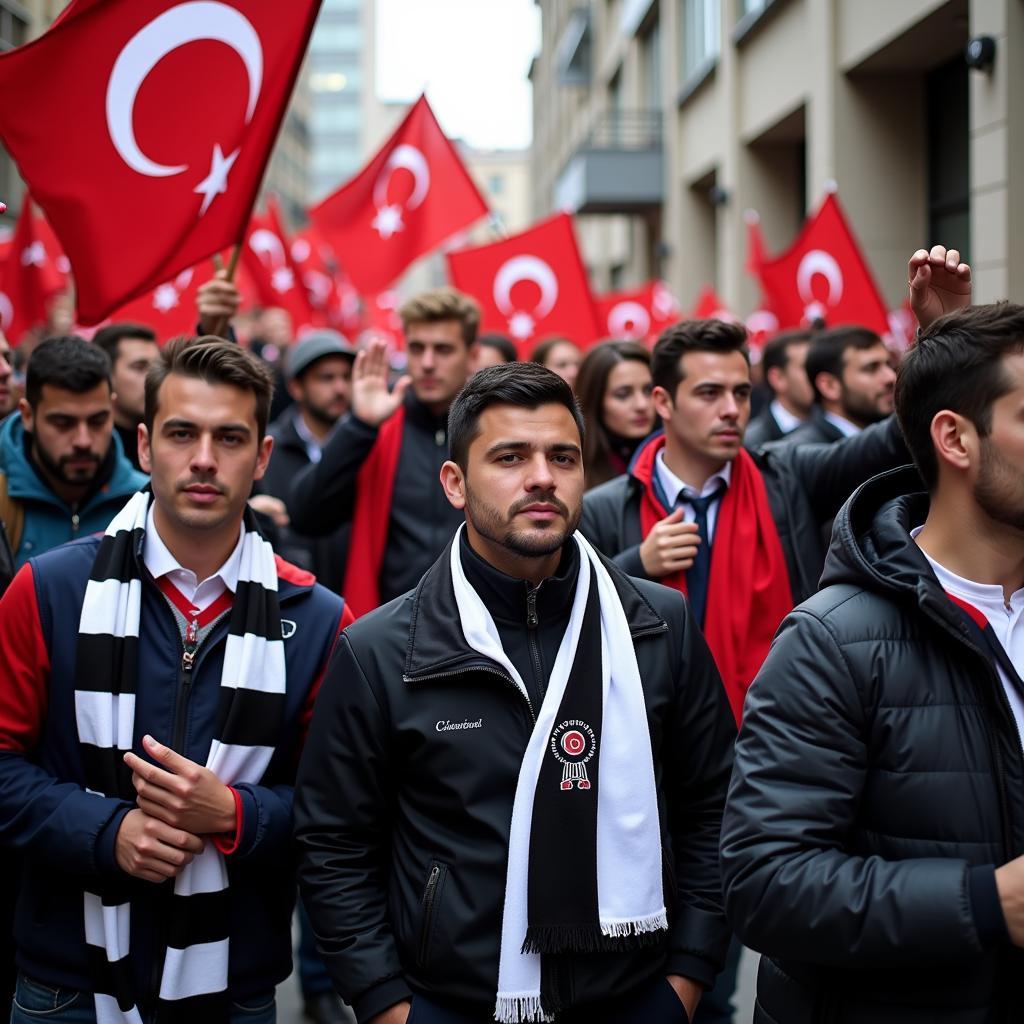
[{"x": 574, "y": 743}]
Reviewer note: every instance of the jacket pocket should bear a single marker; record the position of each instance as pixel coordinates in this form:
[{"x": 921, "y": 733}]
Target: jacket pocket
[{"x": 430, "y": 906}]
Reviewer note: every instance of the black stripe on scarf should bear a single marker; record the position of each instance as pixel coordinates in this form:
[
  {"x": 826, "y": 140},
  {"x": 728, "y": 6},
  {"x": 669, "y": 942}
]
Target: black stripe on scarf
[
  {"x": 213, "y": 1006},
  {"x": 119, "y": 652},
  {"x": 198, "y": 918},
  {"x": 255, "y": 610},
  {"x": 111, "y": 977},
  {"x": 250, "y": 718}
]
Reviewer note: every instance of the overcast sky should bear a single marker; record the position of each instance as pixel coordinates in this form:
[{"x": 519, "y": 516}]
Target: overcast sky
[{"x": 471, "y": 57}]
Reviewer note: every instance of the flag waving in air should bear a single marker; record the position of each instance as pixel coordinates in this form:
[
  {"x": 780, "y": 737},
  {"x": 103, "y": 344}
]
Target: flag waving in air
[
  {"x": 822, "y": 276},
  {"x": 143, "y": 128},
  {"x": 530, "y": 285},
  {"x": 640, "y": 314},
  {"x": 412, "y": 196}
]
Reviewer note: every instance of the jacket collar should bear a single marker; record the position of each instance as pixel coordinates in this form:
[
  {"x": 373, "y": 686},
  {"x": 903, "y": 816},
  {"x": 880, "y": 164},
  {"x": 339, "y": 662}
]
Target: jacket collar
[{"x": 437, "y": 645}]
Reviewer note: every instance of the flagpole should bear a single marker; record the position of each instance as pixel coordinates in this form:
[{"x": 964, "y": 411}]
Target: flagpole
[{"x": 225, "y": 322}]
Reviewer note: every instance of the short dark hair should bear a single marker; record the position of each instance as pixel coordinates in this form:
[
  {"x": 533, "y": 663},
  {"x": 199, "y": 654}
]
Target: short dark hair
[
  {"x": 215, "y": 361},
  {"x": 543, "y": 350},
  {"x": 500, "y": 344},
  {"x": 526, "y": 385},
  {"x": 775, "y": 355},
  {"x": 109, "y": 338},
  {"x": 956, "y": 365},
  {"x": 445, "y": 303},
  {"x": 829, "y": 348},
  {"x": 67, "y": 362},
  {"x": 693, "y": 336}
]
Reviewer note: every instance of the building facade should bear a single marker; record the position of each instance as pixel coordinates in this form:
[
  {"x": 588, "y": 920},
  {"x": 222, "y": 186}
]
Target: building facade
[{"x": 661, "y": 122}]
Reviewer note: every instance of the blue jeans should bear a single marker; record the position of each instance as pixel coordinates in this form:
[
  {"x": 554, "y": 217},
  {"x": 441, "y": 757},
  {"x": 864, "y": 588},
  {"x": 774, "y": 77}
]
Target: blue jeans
[{"x": 35, "y": 1002}]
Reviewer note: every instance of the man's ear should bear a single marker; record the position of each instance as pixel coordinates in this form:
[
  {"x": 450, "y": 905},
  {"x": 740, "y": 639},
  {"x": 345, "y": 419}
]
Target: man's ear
[
  {"x": 955, "y": 440},
  {"x": 26, "y": 414},
  {"x": 263, "y": 457},
  {"x": 294, "y": 389},
  {"x": 663, "y": 404},
  {"x": 453, "y": 480},
  {"x": 145, "y": 453},
  {"x": 829, "y": 386}
]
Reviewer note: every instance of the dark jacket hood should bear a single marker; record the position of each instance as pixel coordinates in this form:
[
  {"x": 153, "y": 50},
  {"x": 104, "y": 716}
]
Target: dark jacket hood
[{"x": 872, "y": 548}]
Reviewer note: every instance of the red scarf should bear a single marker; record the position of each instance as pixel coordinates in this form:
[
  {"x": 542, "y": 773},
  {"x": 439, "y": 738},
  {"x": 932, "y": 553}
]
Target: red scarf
[
  {"x": 748, "y": 588},
  {"x": 375, "y": 486}
]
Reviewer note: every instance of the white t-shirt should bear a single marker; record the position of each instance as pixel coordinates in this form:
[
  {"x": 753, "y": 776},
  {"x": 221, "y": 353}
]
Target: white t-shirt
[{"x": 1007, "y": 622}]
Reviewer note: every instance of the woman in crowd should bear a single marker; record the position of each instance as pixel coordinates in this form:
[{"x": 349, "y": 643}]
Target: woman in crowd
[
  {"x": 614, "y": 389},
  {"x": 561, "y": 356}
]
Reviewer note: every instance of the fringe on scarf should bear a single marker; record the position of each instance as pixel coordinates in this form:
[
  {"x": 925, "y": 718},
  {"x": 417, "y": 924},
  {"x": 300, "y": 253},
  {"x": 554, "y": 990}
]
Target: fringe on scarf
[
  {"x": 603, "y": 938},
  {"x": 521, "y": 1009}
]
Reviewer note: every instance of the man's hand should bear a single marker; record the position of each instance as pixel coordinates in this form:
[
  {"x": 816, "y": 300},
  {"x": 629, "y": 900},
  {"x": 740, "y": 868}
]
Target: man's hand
[
  {"x": 149, "y": 849},
  {"x": 371, "y": 401},
  {"x": 273, "y": 508},
  {"x": 939, "y": 283},
  {"x": 1010, "y": 885},
  {"x": 185, "y": 795},
  {"x": 218, "y": 301},
  {"x": 670, "y": 546},
  {"x": 689, "y": 992},
  {"x": 397, "y": 1014}
]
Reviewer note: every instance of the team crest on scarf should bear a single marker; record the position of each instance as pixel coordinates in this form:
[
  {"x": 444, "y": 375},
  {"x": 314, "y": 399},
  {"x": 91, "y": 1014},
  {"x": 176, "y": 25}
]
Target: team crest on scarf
[{"x": 573, "y": 744}]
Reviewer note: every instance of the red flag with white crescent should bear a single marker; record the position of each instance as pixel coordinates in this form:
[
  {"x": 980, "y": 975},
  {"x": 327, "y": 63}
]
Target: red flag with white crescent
[
  {"x": 143, "y": 128},
  {"x": 823, "y": 276},
  {"x": 531, "y": 285},
  {"x": 409, "y": 199},
  {"x": 639, "y": 314}
]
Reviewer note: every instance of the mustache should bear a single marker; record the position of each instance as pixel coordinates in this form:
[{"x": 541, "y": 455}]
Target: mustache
[
  {"x": 538, "y": 499},
  {"x": 200, "y": 483}
]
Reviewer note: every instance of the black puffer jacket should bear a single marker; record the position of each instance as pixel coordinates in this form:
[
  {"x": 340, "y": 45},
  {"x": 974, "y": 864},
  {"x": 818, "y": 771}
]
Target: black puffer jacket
[
  {"x": 403, "y": 823},
  {"x": 806, "y": 485},
  {"x": 879, "y": 780}
]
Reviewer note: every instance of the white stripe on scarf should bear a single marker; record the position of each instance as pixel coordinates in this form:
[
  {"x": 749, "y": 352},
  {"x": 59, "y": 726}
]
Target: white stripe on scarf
[
  {"x": 114, "y": 607},
  {"x": 631, "y": 897}
]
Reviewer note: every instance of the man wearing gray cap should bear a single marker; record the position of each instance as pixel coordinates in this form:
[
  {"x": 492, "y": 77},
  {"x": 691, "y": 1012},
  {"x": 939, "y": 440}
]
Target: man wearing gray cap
[{"x": 318, "y": 374}]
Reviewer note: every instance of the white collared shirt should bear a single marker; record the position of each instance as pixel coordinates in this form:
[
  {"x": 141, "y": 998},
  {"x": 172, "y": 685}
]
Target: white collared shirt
[
  {"x": 160, "y": 562},
  {"x": 676, "y": 491},
  {"x": 1007, "y": 622},
  {"x": 786, "y": 420},
  {"x": 842, "y": 424},
  {"x": 314, "y": 446}
]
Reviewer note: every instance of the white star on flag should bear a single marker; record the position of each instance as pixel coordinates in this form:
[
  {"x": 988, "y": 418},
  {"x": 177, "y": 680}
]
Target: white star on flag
[
  {"x": 388, "y": 221},
  {"x": 282, "y": 279},
  {"x": 521, "y": 326},
  {"x": 33, "y": 255},
  {"x": 216, "y": 182},
  {"x": 165, "y": 297}
]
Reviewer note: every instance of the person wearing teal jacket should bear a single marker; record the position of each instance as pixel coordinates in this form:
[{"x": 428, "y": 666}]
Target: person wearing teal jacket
[{"x": 63, "y": 472}]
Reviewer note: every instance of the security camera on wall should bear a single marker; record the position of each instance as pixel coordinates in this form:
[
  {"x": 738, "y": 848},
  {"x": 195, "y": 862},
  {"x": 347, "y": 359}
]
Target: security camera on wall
[{"x": 981, "y": 53}]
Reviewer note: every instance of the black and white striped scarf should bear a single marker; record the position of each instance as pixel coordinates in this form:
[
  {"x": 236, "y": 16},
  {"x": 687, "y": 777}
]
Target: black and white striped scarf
[{"x": 195, "y": 973}]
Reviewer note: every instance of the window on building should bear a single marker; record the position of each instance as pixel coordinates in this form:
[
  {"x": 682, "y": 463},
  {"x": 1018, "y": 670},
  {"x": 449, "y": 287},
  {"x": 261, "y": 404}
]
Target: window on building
[
  {"x": 650, "y": 58},
  {"x": 752, "y": 6},
  {"x": 13, "y": 32},
  {"x": 701, "y": 25},
  {"x": 496, "y": 184},
  {"x": 949, "y": 177}
]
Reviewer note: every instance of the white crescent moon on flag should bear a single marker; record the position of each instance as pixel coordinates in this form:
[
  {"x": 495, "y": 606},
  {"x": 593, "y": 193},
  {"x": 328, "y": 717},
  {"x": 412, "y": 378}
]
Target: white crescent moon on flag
[
  {"x": 415, "y": 163},
  {"x": 6, "y": 312},
  {"x": 817, "y": 261},
  {"x": 186, "y": 23},
  {"x": 263, "y": 241},
  {"x": 629, "y": 320},
  {"x": 301, "y": 250},
  {"x": 525, "y": 268},
  {"x": 762, "y": 321}
]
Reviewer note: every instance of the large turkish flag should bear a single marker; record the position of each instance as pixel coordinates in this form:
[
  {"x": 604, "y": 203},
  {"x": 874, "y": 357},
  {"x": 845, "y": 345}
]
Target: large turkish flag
[
  {"x": 143, "y": 128},
  {"x": 412, "y": 196},
  {"x": 640, "y": 314},
  {"x": 822, "y": 276},
  {"x": 530, "y": 285}
]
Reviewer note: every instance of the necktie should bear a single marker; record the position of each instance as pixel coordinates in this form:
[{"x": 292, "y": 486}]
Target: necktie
[{"x": 698, "y": 574}]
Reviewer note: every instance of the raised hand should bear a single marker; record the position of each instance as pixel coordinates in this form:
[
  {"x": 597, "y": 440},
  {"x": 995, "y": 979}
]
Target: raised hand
[
  {"x": 217, "y": 301},
  {"x": 939, "y": 283},
  {"x": 372, "y": 402}
]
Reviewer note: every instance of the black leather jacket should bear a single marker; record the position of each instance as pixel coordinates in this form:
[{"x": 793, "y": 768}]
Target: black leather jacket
[
  {"x": 806, "y": 485},
  {"x": 879, "y": 780},
  {"x": 403, "y": 825}
]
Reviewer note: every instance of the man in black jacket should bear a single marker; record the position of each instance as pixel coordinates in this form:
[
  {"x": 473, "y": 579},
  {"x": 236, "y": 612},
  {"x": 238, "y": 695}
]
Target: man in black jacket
[
  {"x": 873, "y": 838},
  {"x": 783, "y": 365},
  {"x": 380, "y": 467},
  {"x": 850, "y": 370},
  {"x": 445, "y": 724}
]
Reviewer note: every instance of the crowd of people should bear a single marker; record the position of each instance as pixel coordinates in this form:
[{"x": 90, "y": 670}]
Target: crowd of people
[{"x": 553, "y": 683}]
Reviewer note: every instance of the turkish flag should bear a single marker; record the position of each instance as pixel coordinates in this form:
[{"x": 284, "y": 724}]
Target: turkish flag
[
  {"x": 313, "y": 261},
  {"x": 410, "y": 198},
  {"x": 143, "y": 128},
  {"x": 382, "y": 319},
  {"x": 29, "y": 276},
  {"x": 267, "y": 257},
  {"x": 822, "y": 276},
  {"x": 530, "y": 285},
  {"x": 640, "y": 314},
  {"x": 170, "y": 308}
]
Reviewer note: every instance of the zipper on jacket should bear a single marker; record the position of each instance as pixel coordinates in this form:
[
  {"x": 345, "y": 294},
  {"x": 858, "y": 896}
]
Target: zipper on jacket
[
  {"x": 429, "y": 903},
  {"x": 188, "y": 657},
  {"x": 75, "y": 522},
  {"x": 476, "y": 668},
  {"x": 532, "y": 622}
]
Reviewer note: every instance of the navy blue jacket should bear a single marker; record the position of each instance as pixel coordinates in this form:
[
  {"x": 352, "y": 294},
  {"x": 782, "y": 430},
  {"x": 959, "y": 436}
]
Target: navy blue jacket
[{"x": 67, "y": 834}]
